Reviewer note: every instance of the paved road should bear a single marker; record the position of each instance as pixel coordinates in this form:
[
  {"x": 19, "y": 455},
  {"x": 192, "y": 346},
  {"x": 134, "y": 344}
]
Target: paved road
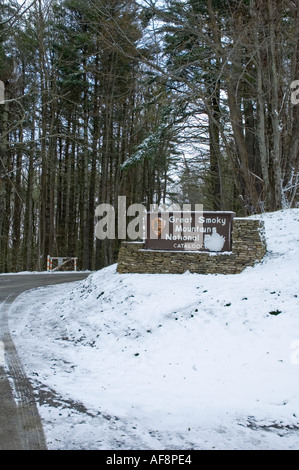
[
  {"x": 13, "y": 285},
  {"x": 20, "y": 425}
]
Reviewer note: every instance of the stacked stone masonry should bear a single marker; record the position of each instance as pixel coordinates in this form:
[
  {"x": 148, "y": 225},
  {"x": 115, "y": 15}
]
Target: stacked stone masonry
[{"x": 248, "y": 248}]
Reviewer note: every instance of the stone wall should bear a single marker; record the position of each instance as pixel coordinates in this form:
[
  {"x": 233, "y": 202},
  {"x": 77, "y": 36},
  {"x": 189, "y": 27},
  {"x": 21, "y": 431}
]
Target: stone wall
[{"x": 248, "y": 248}]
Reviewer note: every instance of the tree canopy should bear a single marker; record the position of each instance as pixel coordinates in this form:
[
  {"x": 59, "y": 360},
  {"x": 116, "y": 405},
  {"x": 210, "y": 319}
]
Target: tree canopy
[{"x": 174, "y": 101}]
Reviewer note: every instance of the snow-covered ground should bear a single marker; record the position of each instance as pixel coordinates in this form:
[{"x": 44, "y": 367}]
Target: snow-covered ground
[{"x": 170, "y": 361}]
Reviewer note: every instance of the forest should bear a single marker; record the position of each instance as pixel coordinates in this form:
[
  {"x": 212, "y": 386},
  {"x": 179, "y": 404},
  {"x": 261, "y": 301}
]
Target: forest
[{"x": 160, "y": 101}]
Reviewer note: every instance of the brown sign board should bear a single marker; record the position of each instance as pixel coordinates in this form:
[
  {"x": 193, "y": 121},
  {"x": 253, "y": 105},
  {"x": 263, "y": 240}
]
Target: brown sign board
[{"x": 189, "y": 231}]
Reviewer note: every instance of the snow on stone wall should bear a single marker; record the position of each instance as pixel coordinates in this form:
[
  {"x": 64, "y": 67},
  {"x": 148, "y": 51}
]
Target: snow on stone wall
[{"x": 248, "y": 248}]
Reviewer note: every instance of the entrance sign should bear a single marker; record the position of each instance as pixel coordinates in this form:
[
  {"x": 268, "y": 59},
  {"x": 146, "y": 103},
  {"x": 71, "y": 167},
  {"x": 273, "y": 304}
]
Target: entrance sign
[{"x": 189, "y": 231}]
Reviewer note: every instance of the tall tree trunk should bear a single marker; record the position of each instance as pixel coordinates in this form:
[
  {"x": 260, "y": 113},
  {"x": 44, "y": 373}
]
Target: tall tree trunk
[
  {"x": 237, "y": 127},
  {"x": 28, "y": 219},
  {"x": 5, "y": 186},
  {"x": 276, "y": 151},
  {"x": 16, "y": 228},
  {"x": 216, "y": 183},
  {"x": 294, "y": 146}
]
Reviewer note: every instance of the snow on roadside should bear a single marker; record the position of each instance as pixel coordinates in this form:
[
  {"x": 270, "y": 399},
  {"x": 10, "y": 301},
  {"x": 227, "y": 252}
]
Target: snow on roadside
[{"x": 170, "y": 361}]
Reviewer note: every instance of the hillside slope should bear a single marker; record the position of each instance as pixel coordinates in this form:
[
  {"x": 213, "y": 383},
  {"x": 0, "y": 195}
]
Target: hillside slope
[{"x": 170, "y": 361}]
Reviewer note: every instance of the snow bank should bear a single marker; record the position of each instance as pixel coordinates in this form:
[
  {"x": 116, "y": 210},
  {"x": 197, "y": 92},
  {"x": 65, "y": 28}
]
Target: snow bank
[{"x": 170, "y": 361}]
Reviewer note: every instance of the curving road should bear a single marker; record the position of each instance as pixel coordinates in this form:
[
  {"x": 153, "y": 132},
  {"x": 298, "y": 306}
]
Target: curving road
[{"x": 20, "y": 424}]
